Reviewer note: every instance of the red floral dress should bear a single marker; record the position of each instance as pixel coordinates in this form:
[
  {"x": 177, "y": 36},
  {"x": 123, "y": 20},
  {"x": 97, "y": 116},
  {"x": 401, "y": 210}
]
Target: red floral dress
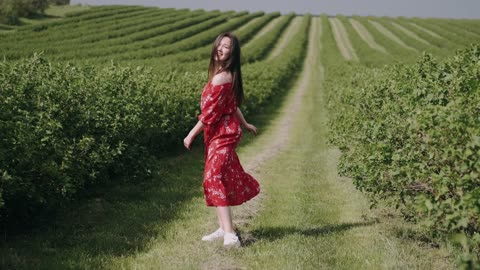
[{"x": 225, "y": 183}]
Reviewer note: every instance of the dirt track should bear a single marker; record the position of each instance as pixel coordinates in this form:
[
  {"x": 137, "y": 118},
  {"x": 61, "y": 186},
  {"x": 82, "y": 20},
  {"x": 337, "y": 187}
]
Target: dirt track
[
  {"x": 390, "y": 35},
  {"x": 265, "y": 29},
  {"x": 410, "y": 33},
  {"x": 366, "y": 36},
  {"x": 278, "y": 139},
  {"x": 343, "y": 42},
  {"x": 254, "y": 20},
  {"x": 286, "y": 37},
  {"x": 433, "y": 34}
]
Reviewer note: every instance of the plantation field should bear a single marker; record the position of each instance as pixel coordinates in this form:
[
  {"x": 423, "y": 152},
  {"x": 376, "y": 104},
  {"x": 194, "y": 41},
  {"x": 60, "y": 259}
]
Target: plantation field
[{"x": 97, "y": 100}]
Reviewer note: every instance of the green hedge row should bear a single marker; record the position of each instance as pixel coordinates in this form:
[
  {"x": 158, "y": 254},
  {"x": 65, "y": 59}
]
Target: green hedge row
[
  {"x": 96, "y": 15},
  {"x": 90, "y": 29},
  {"x": 91, "y": 10},
  {"x": 193, "y": 41},
  {"x": 65, "y": 127},
  {"x": 202, "y": 54},
  {"x": 410, "y": 135},
  {"x": 266, "y": 79},
  {"x": 260, "y": 47},
  {"x": 171, "y": 31}
]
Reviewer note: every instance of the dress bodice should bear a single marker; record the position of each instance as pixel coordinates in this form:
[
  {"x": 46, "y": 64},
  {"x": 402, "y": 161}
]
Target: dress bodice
[{"x": 217, "y": 100}]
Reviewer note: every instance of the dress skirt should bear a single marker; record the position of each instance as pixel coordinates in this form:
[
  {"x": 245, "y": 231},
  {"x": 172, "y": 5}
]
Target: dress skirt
[{"x": 225, "y": 183}]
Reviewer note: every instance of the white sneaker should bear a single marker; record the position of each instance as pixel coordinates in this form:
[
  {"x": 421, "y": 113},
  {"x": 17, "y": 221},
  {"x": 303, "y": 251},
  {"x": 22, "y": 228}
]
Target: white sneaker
[
  {"x": 231, "y": 240},
  {"x": 219, "y": 233}
]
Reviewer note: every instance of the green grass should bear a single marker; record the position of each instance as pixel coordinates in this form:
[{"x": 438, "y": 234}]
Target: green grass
[
  {"x": 61, "y": 11},
  {"x": 117, "y": 221},
  {"x": 314, "y": 219}
]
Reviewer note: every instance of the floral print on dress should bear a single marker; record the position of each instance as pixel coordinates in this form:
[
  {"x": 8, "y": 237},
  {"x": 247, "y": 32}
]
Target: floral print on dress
[{"x": 225, "y": 183}]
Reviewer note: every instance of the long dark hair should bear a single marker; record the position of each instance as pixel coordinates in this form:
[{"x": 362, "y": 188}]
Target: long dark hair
[{"x": 232, "y": 65}]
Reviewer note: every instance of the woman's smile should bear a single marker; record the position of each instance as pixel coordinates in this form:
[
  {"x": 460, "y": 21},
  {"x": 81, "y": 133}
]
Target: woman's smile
[{"x": 224, "y": 48}]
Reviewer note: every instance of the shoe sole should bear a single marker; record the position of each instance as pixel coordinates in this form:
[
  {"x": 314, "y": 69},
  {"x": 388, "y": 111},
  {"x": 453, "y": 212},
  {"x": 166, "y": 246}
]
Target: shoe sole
[
  {"x": 235, "y": 245},
  {"x": 211, "y": 240}
]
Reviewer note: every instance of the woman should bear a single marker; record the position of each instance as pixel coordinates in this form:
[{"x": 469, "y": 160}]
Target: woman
[{"x": 225, "y": 183}]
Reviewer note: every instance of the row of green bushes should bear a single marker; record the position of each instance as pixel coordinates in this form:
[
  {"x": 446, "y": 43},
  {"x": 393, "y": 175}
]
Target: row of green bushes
[
  {"x": 157, "y": 37},
  {"x": 260, "y": 47},
  {"x": 98, "y": 14},
  {"x": 66, "y": 128},
  {"x": 62, "y": 35},
  {"x": 193, "y": 29},
  {"x": 266, "y": 79},
  {"x": 193, "y": 41},
  {"x": 250, "y": 53},
  {"x": 78, "y": 32},
  {"x": 410, "y": 135}
]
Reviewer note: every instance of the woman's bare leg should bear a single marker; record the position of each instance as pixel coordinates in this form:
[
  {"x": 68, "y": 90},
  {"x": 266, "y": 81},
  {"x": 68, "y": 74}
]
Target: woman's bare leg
[
  {"x": 225, "y": 217},
  {"x": 220, "y": 223}
]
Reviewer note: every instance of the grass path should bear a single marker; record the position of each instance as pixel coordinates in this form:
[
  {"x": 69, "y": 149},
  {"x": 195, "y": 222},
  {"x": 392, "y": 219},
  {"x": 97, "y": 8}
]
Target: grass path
[
  {"x": 314, "y": 219},
  {"x": 248, "y": 24},
  {"x": 390, "y": 35},
  {"x": 343, "y": 42},
  {"x": 287, "y": 35},
  {"x": 410, "y": 33},
  {"x": 265, "y": 29},
  {"x": 433, "y": 34},
  {"x": 366, "y": 36},
  {"x": 62, "y": 10}
]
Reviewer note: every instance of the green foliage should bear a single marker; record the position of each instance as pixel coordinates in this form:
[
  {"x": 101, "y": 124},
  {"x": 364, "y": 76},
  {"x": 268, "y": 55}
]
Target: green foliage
[
  {"x": 6, "y": 27},
  {"x": 260, "y": 47},
  {"x": 65, "y": 128},
  {"x": 94, "y": 15},
  {"x": 168, "y": 33},
  {"x": 203, "y": 53},
  {"x": 11, "y": 10},
  {"x": 266, "y": 79},
  {"x": 194, "y": 39},
  {"x": 369, "y": 56},
  {"x": 411, "y": 135},
  {"x": 60, "y": 2},
  {"x": 397, "y": 52}
]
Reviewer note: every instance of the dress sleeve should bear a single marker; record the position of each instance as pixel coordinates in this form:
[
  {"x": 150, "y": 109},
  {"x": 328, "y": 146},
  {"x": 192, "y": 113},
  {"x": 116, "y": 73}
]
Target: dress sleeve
[{"x": 213, "y": 105}]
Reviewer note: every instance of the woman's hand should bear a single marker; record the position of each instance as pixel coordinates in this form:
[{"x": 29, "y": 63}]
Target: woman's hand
[
  {"x": 192, "y": 134},
  {"x": 251, "y": 128},
  {"x": 188, "y": 141}
]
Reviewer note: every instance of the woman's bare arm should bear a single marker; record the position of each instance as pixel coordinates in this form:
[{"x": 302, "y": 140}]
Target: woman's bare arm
[
  {"x": 240, "y": 117},
  {"x": 192, "y": 134},
  {"x": 244, "y": 123}
]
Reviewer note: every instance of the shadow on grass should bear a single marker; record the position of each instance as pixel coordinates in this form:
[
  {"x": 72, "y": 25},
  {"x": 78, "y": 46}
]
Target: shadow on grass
[
  {"x": 118, "y": 221},
  {"x": 275, "y": 233}
]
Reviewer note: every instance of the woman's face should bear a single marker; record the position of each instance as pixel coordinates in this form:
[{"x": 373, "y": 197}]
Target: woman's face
[{"x": 224, "y": 49}]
